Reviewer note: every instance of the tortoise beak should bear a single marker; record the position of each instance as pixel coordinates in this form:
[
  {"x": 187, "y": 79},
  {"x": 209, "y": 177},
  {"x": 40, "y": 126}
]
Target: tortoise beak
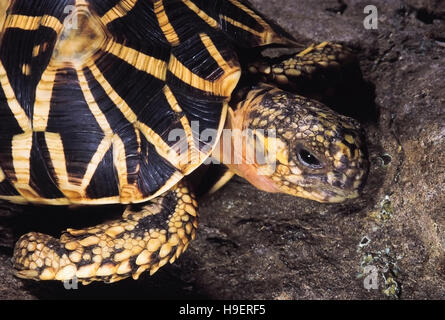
[{"x": 323, "y": 194}]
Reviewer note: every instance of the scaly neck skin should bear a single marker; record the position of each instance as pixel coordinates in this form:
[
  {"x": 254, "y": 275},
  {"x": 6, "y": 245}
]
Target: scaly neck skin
[{"x": 236, "y": 162}]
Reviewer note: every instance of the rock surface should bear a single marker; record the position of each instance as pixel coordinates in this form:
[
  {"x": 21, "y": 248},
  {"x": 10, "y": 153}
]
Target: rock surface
[{"x": 253, "y": 245}]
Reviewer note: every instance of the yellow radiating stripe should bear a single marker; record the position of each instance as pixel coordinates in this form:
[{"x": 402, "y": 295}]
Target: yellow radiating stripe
[
  {"x": 172, "y": 100},
  {"x": 170, "y": 183},
  {"x": 155, "y": 67},
  {"x": 31, "y": 23},
  {"x": 126, "y": 191},
  {"x": 118, "y": 11},
  {"x": 251, "y": 13},
  {"x": 112, "y": 94},
  {"x": 42, "y": 103},
  {"x": 194, "y": 156},
  {"x": 2, "y": 175},
  {"x": 21, "y": 160},
  {"x": 204, "y": 16},
  {"x": 164, "y": 23},
  {"x": 74, "y": 193},
  {"x": 222, "y": 181},
  {"x": 161, "y": 147},
  {"x": 102, "y": 149},
  {"x": 187, "y": 76},
  {"x": 192, "y": 151},
  {"x": 221, "y": 87},
  {"x": 66, "y": 201},
  {"x": 138, "y": 139},
  {"x": 98, "y": 201},
  {"x": 93, "y": 106},
  {"x": 268, "y": 36},
  {"x": 26, "y": 69},
  {"x": 214, "y": 52},
  {"x": 57, "y": 154},
  {"x": 242, "y": 26},
  {"x": 14, "y": 199},
  {"x": 13, "y": 104}
]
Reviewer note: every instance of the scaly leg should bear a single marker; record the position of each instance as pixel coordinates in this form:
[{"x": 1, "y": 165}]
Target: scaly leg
[
  {"x": 312, "y": 71},
  {"x": 147, "y": 237}
]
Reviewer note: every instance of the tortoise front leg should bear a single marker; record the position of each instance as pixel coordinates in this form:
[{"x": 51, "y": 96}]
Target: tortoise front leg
[
  {"x": 312, "y": 72},
  {"x": 147, "y": 237}
]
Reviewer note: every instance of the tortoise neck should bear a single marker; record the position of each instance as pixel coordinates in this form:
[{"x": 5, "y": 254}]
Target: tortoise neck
[{"x": 236, "y": 149}]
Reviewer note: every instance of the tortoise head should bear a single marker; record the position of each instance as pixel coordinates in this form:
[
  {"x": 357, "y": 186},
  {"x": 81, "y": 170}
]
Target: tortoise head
[{"x": 309, "y": 150}]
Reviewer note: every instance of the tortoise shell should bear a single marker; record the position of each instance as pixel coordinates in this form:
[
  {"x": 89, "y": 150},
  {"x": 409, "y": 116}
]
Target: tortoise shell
[{"x": 105, "y": 101}]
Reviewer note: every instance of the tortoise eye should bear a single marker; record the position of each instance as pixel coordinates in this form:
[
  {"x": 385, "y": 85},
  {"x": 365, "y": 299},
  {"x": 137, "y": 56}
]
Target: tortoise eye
[{"x": 308, "y": 159}]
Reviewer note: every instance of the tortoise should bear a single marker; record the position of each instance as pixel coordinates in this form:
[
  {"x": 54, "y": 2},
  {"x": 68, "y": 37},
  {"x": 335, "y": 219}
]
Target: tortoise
[{"x": 116, "y": 101}]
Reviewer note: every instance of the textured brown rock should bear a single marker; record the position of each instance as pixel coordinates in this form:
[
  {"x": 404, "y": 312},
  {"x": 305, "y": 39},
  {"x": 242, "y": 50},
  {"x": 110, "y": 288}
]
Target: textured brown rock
[{"x": 253, "y": 245}]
